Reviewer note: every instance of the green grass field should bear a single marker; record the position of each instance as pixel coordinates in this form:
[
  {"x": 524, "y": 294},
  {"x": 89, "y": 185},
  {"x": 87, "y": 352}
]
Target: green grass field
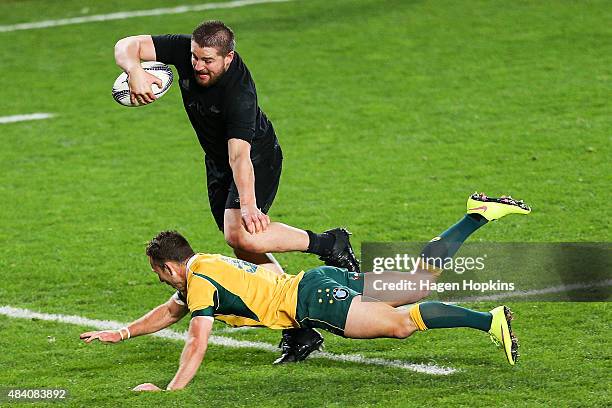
[{"x": 389, "y": 113}]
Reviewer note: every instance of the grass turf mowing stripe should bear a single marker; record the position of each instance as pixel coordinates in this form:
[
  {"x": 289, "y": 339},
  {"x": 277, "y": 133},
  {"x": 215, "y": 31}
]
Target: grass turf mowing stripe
[
  {"x": 23, "y": 118},
  {"x": 536, "y": 292},
  {"x": 130, "y": 14},
  {"x": 225, "y": 341}
]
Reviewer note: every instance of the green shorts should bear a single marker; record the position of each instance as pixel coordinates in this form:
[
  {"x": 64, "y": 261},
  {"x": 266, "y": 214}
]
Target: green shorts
[{"x": 324, "y": 297}]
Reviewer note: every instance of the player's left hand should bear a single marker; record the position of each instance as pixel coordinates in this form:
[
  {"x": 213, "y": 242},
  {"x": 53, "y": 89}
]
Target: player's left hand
[
  {"x": 253, "y": 219},
  {"x": 105, "y": 336},
  {"x": 146, "y": 387}
]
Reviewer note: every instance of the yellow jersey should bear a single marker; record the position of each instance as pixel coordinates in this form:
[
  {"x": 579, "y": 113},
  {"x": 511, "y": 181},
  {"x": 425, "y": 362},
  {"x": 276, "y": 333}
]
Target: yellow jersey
[{"x": 240, "y": 293}]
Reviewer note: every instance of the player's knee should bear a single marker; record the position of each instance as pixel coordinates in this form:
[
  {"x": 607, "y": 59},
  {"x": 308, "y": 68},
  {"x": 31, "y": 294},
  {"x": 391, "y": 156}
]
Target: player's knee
[
  {"x": 240, "y": 240},
  {"x": 403, "y": 328},
  {"x": 249, "y": 245},
  {"x": 422, "y": 295},
  {"x": 232, "y": 237}
]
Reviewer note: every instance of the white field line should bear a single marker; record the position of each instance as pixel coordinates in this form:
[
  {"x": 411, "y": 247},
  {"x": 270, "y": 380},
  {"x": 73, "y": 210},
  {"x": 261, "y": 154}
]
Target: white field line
[
  {"x": 23, "y": 118},
  {"x": 121, "y": 15},
  {"x": 225, "y": 341},
  {"x": 235, "y": 329},
  {"x": 535, "y": 292}
]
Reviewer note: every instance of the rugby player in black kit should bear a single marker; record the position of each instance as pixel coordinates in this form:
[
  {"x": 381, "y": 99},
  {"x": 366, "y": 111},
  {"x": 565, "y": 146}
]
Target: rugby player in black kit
[{"x": 242, "y": 155}]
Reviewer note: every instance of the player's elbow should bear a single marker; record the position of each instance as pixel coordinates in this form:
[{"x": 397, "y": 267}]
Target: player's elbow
[
  {"x": 121, "y": 44},
  {"x": 196, "y": 343},
  {"x": 196, "y": 347},
  {"x": 126, "y": 47},
  {"x": 235, "y": 158},
  {"x": 120, "y": 50},
  {"x": 174, "y": 313},
  {"x": 239, "y": 152}
]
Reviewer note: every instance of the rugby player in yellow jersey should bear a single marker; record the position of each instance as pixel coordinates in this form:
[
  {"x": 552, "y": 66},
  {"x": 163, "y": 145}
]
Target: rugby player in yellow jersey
[{"x": 244, "y": 294}]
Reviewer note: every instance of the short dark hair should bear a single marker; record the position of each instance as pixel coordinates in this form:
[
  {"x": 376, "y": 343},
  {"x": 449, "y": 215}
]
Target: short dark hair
[
  {"x": 169, "y": 246},
  {"x": 214, "y": 33}
]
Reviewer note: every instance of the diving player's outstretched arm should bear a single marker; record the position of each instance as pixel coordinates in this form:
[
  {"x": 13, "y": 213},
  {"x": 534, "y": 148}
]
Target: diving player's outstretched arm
[
  {"x": 193, "y": 352},
  {"x": 191, "y": 357},
  {"x": 157, "y": 319}
]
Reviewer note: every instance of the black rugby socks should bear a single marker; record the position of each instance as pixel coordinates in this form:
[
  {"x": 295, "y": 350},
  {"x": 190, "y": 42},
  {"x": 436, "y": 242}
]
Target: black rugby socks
[{"x": 320, "y": 244}]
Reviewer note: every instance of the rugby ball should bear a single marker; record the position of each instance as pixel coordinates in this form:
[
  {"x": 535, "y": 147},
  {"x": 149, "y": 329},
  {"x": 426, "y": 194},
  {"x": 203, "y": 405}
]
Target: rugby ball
[{"x": 121, "y": 90}]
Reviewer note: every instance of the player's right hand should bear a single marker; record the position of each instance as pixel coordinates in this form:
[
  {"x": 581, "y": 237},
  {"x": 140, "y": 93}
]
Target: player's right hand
[
  {"x": 253, "y": 219},
  {"x": 140, "y": 83},
  {"x": 105, "y": 336}
]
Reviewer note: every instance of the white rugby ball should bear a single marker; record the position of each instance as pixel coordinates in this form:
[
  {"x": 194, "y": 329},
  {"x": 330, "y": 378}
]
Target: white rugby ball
[{"x": 121, "y": 90}]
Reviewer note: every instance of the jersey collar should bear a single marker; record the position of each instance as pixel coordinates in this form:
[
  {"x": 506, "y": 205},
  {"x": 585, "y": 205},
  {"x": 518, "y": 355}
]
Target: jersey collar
[{"x": 190, "y": 261}]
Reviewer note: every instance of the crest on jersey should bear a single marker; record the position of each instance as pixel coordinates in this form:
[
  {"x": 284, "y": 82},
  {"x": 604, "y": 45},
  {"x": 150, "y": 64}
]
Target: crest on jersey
[{"x": 340, "y": 293}]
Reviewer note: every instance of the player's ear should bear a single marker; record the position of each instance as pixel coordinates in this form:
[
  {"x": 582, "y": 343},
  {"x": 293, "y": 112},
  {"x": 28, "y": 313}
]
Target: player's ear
[
  {"x": 172, "y": 267},
  {"x": 229, "y": 57},
  {"x": 168, "y": 267}
]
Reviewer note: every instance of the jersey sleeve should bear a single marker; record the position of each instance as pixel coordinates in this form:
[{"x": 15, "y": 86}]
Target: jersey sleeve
[
  {"x": 240, "y": 115},
  {"x": 173, "y": 49},
  {"x": 179, "y": 298},
  {"x": 201, "y": 297}
]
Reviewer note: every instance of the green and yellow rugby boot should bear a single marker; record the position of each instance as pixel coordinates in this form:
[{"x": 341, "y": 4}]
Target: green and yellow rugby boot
[
  {"x": 501, "y": 333},
  {"x": 495, "y": 208}
]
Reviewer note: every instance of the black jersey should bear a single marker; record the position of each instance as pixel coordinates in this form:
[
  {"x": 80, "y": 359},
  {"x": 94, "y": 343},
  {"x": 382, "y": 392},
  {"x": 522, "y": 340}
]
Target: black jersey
[{"x": 228, "y": 109}]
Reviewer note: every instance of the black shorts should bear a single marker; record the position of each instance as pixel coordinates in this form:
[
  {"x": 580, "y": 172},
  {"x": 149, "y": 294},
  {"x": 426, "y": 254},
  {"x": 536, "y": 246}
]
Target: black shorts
[{"x": 222, "y": 191}]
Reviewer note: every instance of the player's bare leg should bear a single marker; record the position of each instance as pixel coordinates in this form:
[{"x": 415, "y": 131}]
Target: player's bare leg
[
  {"x": 366, "y": 320},
  {"x": 332, "y": 246},
  {"x": 372, "y": 319},
  {"x": 277, "y": 237}
]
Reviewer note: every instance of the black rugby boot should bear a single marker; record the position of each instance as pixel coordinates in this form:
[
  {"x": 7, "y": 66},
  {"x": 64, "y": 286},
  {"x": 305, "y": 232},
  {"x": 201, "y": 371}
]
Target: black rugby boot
[
  {"x": 297, "y": 344},
  {"x": 341, "y": 254}
]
